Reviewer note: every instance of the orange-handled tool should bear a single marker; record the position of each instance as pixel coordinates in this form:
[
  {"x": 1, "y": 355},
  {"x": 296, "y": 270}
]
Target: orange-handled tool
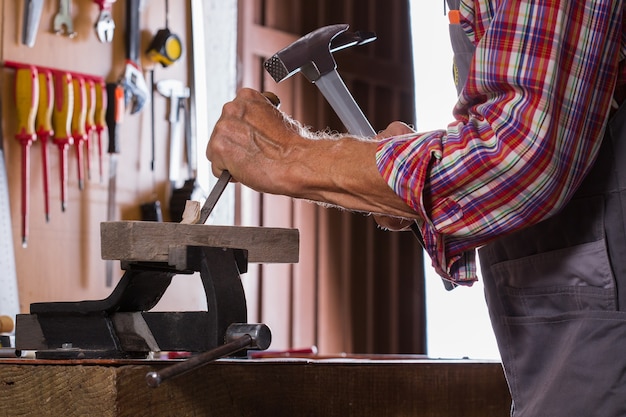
[
  {"x": 26, "y": 98},
  {"x": 78, "y": 123},
  {"x": 114, "y": 117},
  {"x": 100, "y": 118},
  {"x": 90, "y": 91},
  {"x": 43, "y": 128},
  {"x": 61, "y": 122}
]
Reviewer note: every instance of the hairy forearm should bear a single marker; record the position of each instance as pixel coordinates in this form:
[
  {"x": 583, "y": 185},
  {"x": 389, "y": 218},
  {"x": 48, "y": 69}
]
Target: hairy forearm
[
  {"x": 342, "y": 172},
  {"x": 269, "y": 152}
]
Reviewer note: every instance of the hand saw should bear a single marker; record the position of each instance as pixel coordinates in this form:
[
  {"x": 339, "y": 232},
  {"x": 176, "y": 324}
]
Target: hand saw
[{"x": 9, "y": 302}]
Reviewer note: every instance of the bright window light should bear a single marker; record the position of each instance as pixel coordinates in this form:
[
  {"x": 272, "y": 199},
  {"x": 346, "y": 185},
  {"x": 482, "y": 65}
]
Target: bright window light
[{"x": 458, "y": 324}]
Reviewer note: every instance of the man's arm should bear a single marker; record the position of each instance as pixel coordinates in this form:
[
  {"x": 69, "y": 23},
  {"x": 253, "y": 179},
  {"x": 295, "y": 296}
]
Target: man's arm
[{"x": 267, "y": 151}]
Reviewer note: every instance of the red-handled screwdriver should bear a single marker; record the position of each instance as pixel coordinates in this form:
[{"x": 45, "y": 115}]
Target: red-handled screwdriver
[
  {"x": 100, "y": 119},
  {"x": 61, "y": 120},
  {"x": 78, "y": 124},
  {"x": 26, "y": 98},
  {"x": 43, "y": 128},
  {"x": 90, "y": 91}
]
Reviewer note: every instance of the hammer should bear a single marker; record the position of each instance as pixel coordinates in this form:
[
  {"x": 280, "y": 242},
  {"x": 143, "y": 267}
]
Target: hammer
[{"x": 312, "y": 55}]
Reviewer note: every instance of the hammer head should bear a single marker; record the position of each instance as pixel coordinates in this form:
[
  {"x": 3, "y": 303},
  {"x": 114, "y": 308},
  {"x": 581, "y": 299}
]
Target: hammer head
[
  {"x": 135, "y": 87},
  {"x": 313, "y": 53}
]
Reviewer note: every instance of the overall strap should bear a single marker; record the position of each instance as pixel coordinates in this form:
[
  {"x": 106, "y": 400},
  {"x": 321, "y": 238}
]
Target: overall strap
[{"x": 461, "y": 45}]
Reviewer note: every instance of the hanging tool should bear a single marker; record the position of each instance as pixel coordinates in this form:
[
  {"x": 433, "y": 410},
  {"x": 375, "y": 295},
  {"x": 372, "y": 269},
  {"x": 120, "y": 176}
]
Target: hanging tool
[
  {"x": 100, "y": 119},
  {"x": 177, "y": 93},
  {"x": 61, "y": 123},
  {"x": 224, "y": 179},
  {"x": 133, "y": 81},
  {"x": 9, "y": 301},
  {"x": 90, "y": 123},
  {"x": 62, "y": 24},
  {"x": 105, "y": 25},
  {"x": 166, "y": 47},
  {"x": 78, "y": 124},
  {"x": 44, "y": 130},
  {"x": 30, "y": 21},
  {"x": 26, "y": 99},
  {"x": 181, "y": 190},
  {"x": 114, "y": 116},
  {"x": 151, "y": 211}
]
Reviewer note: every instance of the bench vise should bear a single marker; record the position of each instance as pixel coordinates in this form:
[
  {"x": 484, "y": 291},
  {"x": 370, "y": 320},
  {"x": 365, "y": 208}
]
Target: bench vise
[{"x": 121, "y": 325}]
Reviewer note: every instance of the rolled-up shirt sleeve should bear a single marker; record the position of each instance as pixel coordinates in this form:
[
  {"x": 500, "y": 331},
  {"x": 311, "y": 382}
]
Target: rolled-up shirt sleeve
[{"x": 528, "y": 126}]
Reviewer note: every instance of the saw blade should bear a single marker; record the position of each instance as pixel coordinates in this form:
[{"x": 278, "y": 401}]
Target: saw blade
[{"x": 9, "y": 301}]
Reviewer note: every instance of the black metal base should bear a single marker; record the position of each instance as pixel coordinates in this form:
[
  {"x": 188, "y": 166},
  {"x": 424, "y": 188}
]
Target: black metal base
[{"x": 121, "y": 326}]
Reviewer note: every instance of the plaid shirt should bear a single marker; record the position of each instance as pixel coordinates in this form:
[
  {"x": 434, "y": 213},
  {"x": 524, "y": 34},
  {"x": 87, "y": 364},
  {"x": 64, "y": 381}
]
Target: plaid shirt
[{"x": 528, "y": 125}]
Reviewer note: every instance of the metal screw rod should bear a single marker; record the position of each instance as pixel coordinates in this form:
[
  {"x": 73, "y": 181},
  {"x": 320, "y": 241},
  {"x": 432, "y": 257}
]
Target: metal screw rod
[{"x": 155, "y": 378}]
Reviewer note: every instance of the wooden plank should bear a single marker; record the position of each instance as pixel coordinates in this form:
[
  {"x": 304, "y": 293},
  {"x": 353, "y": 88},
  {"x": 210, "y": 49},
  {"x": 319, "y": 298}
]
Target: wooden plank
[
  {"x": 250, "y": 388},
  {"x": 153, "y": 241}
]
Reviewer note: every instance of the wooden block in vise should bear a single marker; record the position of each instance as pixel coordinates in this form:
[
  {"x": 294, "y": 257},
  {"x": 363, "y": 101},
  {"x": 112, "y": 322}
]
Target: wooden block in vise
[{"x": 158, "y": 241}]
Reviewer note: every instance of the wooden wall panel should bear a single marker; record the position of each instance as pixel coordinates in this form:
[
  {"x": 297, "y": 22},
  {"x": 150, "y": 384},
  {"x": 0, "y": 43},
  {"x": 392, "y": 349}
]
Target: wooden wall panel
[{"x": 62, "y": 261}]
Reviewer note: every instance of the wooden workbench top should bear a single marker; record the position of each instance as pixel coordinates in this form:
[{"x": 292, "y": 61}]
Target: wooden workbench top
[{"x": 268, "y": 387}]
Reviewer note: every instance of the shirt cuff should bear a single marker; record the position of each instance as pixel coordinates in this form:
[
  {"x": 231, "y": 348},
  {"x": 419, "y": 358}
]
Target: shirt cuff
[{"x": 404, "y": 162}]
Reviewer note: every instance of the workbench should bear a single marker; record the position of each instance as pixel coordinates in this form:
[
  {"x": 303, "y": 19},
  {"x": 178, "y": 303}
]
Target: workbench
[{"x": 342, "y": 386}]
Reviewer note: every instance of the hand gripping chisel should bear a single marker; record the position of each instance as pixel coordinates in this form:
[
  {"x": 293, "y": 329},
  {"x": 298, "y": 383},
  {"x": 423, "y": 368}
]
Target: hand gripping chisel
[{"x": 225, "y": 177}]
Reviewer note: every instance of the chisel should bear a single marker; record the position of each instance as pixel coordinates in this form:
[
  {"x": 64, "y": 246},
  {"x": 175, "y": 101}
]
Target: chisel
[
  {"x": 43, "y": 128},
  {"x": 26, "y": 98}
]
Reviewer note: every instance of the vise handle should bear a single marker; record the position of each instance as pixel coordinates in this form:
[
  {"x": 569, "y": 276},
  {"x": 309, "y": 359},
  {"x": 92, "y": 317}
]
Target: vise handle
[{"x": 238, "y": 336}]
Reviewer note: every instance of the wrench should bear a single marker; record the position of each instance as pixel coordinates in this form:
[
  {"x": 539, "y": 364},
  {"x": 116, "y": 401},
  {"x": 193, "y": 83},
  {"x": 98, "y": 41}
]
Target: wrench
[
  {"x": 63, "y": 20},
  {"x": 105, "y": 26}
]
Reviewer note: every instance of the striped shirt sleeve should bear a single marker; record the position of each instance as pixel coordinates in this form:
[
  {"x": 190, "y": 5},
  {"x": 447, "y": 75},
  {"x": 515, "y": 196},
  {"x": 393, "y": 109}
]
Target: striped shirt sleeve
[{"x": 528, "y": 125}]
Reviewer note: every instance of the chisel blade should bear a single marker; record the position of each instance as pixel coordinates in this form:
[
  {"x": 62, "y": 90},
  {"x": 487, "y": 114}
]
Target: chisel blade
[{"x": 214, "y": 195}]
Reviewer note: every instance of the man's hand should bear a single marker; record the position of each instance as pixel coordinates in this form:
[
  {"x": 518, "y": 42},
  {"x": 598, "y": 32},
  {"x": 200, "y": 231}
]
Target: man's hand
[
  {"x": 388, "y": 222},
  {"x": 252, "y": 140}
]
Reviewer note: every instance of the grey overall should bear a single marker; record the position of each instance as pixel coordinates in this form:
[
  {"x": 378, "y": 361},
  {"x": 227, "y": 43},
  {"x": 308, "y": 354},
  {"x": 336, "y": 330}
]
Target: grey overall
[{"x": 556, "y": 291}]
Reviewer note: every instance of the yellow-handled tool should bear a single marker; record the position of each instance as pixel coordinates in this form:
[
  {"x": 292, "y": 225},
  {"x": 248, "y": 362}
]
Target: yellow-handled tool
[
  {"x": 26, "y": 98},
  {"x": 61, "y": 122},
  {"x": 43, "y": 128},
  {"x": 90, "y": 124},
  {"x": 78, "y": 124},
  {"x": 100, "y": 119}
]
